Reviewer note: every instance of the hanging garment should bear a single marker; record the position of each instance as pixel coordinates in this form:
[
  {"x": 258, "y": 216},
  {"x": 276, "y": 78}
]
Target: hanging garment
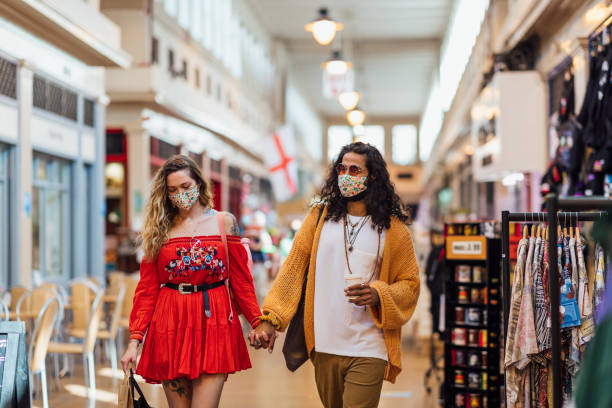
[
  {"x": 541, "y": 301},
  {"x": 568, "y": 303},
  {"x": 584, "y": 299},
  {"x": 574, "y": 348},
  {"x": 525, "y": 343},
  {"x": 542, "y": 324},
  {"x": 514, "y": 396},
  {"x": 599, "y": 287}
]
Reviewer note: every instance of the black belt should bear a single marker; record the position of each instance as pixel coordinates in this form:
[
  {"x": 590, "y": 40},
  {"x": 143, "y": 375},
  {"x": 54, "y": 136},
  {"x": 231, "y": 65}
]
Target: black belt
[{"x": 188, "y": 288}]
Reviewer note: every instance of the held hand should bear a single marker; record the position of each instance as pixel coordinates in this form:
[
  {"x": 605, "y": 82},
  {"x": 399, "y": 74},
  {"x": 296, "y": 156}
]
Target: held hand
[
  {"x": 366, "y": 295},
  {"x": 263, "y": 336},
  {"x": 130, "y": 356}
]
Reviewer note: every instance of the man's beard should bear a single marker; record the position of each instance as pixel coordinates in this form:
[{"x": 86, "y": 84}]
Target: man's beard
[{"x": 357, "y": 197}]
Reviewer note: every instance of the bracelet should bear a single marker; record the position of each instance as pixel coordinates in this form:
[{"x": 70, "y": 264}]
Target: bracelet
[
  {"x": 270, "y": 318},
  {"x": 136, "y": 340}
]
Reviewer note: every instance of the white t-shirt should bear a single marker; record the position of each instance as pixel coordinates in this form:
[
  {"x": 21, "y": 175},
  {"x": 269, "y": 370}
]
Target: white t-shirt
[{"x": 340, "y": 327}]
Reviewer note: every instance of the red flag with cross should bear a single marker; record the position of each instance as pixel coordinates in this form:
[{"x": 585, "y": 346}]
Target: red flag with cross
[{"x": 279, "y": 156}]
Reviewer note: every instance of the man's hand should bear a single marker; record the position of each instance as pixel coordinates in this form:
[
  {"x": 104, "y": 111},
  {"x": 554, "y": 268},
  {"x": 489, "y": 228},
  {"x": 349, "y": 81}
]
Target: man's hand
[
  {"x": 263, "y": 336},
  {"x": 366, "y": 295}
]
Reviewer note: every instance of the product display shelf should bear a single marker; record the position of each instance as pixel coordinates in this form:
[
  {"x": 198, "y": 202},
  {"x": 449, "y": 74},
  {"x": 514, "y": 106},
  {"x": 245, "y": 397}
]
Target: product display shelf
[{"x": 473, "y": 316}]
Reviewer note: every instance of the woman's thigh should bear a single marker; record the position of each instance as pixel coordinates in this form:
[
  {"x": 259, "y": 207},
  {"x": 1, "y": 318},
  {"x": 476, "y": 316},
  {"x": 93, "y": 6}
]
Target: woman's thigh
[
  {"x": 178, "y": 393},
  {"x": 207, "y": 390}
]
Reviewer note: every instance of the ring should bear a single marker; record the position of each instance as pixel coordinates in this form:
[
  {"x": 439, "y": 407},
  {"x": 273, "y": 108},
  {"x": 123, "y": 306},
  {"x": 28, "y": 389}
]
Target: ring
[{"x": 362, "y": 285}]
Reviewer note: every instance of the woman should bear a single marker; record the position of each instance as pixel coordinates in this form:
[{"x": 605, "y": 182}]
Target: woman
[
  {"x": 182, "y": 302},
  {"x": 362, "y": 282}
]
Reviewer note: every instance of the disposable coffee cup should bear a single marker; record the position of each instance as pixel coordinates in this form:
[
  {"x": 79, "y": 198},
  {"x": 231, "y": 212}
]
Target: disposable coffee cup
[{"x": 352, "y": 279}]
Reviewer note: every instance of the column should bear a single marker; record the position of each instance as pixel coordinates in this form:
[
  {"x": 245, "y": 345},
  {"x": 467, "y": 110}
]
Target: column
[
  {"x": 138, "y": 174},
  {"x": 22, "y": 274}
]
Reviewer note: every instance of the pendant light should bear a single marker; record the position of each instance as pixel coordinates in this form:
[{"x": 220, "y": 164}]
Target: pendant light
[
  {"x": 355, "y": 117},
  {"x": 336, "y": 65},
  {"x": 323, "y": 29},
  {"x": 349, "y": 100}
]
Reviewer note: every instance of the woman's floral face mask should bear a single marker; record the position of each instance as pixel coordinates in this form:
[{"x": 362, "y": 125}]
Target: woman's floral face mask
[
  {"x": 186, "y": 199},
  {"x": 350, "y": 186}
]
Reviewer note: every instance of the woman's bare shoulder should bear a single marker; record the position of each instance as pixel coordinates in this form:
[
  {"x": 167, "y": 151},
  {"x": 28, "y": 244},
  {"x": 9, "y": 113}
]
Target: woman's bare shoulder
[{"x": 231, "y": 224}]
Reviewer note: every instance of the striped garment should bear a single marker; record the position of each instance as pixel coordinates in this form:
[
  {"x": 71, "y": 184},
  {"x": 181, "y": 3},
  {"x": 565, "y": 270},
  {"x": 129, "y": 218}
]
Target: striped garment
[{"x": 515, "y": 398}]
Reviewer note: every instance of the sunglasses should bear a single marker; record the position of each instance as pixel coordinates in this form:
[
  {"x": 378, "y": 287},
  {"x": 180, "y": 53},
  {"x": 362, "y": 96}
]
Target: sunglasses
[{"x": 353, "y": 170}]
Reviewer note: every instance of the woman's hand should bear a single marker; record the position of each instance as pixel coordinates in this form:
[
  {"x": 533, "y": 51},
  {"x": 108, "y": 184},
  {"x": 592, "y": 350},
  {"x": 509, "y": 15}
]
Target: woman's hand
[
  {"x": 130, "y": 356},
  {"x": 263, "y": 336},
  {"x": 366, "y": 295}
]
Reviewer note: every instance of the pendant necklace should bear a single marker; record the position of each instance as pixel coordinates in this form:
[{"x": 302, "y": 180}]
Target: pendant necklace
[{"x": 352, "y": 234}]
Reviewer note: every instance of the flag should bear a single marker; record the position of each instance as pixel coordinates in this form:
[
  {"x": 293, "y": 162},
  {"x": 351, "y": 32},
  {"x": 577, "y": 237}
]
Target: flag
[{"x": 279, "y": 156}]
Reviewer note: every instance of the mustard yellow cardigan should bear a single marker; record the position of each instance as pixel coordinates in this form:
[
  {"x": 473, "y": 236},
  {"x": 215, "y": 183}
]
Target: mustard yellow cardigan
[{"x": 397, "y": 286}]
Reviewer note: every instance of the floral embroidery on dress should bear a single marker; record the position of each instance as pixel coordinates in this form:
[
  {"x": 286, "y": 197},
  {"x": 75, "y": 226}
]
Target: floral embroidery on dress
[{"x": 193, "y": 258}]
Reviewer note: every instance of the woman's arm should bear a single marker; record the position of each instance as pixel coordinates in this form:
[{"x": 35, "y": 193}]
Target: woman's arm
[{"x": 145, "y": 299}]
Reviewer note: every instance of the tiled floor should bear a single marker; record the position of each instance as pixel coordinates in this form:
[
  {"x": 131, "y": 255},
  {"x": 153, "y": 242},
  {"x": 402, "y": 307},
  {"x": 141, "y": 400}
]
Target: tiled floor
[{"x": 268, "y": 384}]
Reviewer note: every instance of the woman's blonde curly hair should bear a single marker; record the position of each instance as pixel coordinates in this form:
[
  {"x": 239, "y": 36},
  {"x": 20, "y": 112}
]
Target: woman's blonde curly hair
[{"x": 159, "y": 212}]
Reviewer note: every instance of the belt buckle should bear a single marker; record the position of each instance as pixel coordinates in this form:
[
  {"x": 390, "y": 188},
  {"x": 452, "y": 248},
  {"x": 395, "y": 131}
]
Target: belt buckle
[{"x": 182, "y": 286}]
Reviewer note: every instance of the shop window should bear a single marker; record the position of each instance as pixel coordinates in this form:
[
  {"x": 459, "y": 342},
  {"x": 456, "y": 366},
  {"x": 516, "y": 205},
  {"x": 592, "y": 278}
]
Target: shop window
[
  {"x": 337, "y": 137},
  {"x": 8, "y": 78},
  {"x": 4, "y": 215},
  {"x": 196, "y": 76},
  {"x": 88, "y": 112},
  {"x": 51, "y": 217},
  {"x": 115, "y": 143},
  {"x": 54, "y": 98},
  {"x": 114, "y": 175},
  {"x": 171, "y": 60},
  {"x": 375, "y": 136},
  {"x": 235, "y": 173},
  {"x": 215, "y": 166},
  {"x": 163, "y": 150},
  {"x": 154, "y": 50},
  {"x": 197, "y": 157},
  {"x": 183, "y": 73},
  {"x": 208, "y": 85},
  {"x": 404, "y": 144}
]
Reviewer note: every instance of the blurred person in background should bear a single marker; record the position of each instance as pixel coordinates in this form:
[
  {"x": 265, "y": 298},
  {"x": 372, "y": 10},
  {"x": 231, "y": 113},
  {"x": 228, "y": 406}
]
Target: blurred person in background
[
  {"x": 182, "y": 307},
  {"x": 362, "y": 281}
]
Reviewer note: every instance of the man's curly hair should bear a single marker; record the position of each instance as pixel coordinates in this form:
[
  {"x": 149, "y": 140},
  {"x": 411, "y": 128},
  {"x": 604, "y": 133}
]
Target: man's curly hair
[{"x": 382, "y": 202}]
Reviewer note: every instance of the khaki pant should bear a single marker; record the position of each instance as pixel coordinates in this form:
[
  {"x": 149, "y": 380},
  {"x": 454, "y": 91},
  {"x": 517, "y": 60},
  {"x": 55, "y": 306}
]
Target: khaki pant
[{"x": 348, "y": 382}]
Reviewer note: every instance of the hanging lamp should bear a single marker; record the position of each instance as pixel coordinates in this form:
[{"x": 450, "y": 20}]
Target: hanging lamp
[
  {"x": 336, "y": 65},
  {"x": 356, "y": 117},
  {"x": 323, "y": 29},
  {"x": 349, "y": 100}
]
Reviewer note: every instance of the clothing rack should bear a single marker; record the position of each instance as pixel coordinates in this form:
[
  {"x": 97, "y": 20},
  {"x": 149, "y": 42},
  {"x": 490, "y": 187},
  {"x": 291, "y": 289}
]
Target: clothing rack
[{"x": 554, "y": 218}]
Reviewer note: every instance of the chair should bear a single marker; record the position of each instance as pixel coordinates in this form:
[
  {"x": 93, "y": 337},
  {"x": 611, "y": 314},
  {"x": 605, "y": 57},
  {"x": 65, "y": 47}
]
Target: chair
[
  {"x": 81, "y": 296},
  {"x": 124, "y": 322},
  {"x": 87, "y": 347},
  {"x": 16, "y": 293},
  {"x": 110, "y": 334},
  {"x": 39, "y": 343}
]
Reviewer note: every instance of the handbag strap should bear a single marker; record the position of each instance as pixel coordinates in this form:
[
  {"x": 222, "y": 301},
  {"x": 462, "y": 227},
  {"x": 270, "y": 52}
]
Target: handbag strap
[
  {"x": 223, "y": 234},
  {"x": 134, "y": 384},
  {"x": 316, "y": 227}
]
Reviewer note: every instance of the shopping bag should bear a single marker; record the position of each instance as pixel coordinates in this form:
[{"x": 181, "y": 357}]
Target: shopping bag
[{"x": 125, "y": 397}]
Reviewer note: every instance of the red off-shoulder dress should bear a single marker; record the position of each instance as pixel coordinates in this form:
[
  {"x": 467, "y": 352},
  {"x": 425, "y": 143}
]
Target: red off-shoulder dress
[{"x": 181, "y": 342}]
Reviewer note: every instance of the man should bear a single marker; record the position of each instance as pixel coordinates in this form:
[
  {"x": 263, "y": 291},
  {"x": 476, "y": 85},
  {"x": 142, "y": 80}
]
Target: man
[{"x": 362, "y": 284}]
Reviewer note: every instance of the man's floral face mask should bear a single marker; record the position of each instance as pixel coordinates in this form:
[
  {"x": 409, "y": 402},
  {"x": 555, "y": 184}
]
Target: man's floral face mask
[
  {"x": 186, "y": 199},
  {"x": 350, "y": 186}
]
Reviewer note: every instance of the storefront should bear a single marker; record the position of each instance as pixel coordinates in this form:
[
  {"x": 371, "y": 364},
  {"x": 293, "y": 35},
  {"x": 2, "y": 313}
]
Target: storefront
[{"x": 51, "y": 164}]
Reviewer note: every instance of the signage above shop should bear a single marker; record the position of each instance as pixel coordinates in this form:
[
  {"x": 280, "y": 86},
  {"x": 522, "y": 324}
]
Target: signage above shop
[
  {"x": 54, "y": 137},
  {"x": 509, "y": 126}
]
